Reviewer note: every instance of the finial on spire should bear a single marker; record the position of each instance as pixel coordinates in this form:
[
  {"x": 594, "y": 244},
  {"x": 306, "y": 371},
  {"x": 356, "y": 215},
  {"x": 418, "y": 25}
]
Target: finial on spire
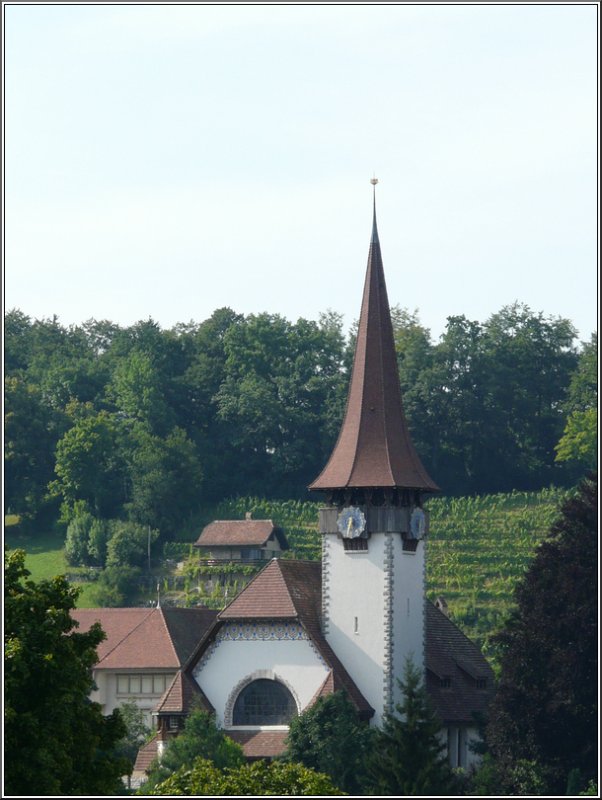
[{"x": 374, "y": 181}]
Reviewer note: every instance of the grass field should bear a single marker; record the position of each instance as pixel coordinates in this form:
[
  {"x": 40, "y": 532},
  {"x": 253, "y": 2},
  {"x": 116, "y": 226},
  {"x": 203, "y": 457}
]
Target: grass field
[{"x": 45, "y": 554}]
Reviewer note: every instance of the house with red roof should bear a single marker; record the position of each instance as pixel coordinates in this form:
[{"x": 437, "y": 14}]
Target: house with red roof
[
  {"x": 241, "y": 540},
  {"x": 301, "y": 630},
  {"x": 143, "y": 654}
]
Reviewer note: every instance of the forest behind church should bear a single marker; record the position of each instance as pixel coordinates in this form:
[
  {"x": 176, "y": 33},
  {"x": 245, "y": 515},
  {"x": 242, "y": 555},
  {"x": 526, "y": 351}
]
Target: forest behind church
[{"x": 150, "y": 424}]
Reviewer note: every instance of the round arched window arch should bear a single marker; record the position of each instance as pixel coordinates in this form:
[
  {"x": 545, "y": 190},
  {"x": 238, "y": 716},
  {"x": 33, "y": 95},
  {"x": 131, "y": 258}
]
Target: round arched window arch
[{"x": 264, "y": 702}]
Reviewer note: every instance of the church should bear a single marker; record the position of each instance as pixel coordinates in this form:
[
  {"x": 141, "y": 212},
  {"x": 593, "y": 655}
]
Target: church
[{"x": 301, "y": 630}]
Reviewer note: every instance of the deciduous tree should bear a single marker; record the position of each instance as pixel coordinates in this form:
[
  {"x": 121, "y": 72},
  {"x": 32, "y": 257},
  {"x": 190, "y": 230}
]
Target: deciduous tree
[
  {"x": 201, "y": 738},
  {"x": 330, "y": 738},
  {"x": 56, "y": 741},
  {"x": 260, "y": 778}
]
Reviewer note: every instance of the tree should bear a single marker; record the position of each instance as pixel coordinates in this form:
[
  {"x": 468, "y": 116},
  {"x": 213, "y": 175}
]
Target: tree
[
  {"x": 116, "y": 587},
  {"x": 56, "y": 740},
  {"x": 137, "y": 733},
  {"x": 281, "y": 382},
  {"x": 165, "y": 479},
  {"x": 579, "y": 441},
  {"x": 138, "y": 389},
  {"x": 545, "y": 707},
  {"x": 259, "y": 778},
  {"x": 89, "y": 465},
  {"x": 31, "y": 431},
  {"x": 98, "y": 537},
  {"x": 330, "y": 738},
  {"x": 77, "y": 539},
  {"x": 201, "y": 738},
  {"x": 408, "y": 756},
  {"x": 128, "y": 544}
]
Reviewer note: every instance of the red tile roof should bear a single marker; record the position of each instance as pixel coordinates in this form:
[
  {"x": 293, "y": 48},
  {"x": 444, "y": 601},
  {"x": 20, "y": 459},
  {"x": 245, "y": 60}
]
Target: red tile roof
[
  {"x": 180, "y": 695},
  {"x": 267, "y": 595},
  {"x": 451, "y": 654},
  {"x": 146, "y": 755},
  {"x": 240, "y": 532},
  {"x": 374, "y": 448},
  {"x": 260, "y": 744},
  {"x": 143, "y": 638}
]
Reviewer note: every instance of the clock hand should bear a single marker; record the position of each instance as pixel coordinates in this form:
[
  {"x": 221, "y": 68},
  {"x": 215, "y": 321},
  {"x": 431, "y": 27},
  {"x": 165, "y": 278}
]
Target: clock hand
[{"x": 349, "y": 524}]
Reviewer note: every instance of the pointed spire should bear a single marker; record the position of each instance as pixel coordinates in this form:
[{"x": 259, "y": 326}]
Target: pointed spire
[{"x": 374, "y": 449}]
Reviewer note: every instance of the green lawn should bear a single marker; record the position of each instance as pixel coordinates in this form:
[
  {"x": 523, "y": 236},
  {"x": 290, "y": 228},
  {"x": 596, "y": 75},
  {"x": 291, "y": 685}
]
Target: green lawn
[{"x": 45, "y": 556}]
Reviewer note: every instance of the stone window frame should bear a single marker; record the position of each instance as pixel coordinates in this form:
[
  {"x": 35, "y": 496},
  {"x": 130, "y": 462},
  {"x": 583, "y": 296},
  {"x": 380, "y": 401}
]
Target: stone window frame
[{"x": 260, "y": 674}]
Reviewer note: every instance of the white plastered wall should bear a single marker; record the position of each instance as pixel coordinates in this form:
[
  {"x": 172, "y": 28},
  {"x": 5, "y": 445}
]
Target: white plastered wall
[
  {"x": 354, "y": 590},
  {"x": 230, "y": 663},
  {"x": 373, "y": 605},
  {"x": 109, "y": 698},
  {"x": 408, "y": 616}
]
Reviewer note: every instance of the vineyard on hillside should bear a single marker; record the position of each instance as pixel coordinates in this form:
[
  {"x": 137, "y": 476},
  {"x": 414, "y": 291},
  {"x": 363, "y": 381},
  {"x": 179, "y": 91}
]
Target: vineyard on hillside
[{"x": 477, "y": 549}]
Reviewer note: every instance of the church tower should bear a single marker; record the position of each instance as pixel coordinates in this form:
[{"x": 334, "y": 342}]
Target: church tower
[{"x": 373, "y": 527}]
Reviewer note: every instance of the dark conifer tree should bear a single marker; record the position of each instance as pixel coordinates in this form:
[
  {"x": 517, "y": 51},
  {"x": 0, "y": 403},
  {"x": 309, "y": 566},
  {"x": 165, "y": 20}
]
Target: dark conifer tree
[
  {"x": 545, "y": 709},
  {"x": 409, "y": 756}
]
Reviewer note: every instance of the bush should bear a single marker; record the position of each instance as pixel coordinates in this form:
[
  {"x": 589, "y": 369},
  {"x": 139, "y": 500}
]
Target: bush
[
  {"x": 128, "y": 544},
  {"x": 97, "y": 542},
  {"x": 257, "y": 779},
  {"x": 116, "y": 587},
  {"x": 200, "y": 739},
  {"x": 76, "y": 543}
]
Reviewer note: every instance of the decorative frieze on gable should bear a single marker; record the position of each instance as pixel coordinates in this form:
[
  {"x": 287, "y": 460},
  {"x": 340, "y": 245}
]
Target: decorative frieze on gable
[{"x": 262, "y": 630}]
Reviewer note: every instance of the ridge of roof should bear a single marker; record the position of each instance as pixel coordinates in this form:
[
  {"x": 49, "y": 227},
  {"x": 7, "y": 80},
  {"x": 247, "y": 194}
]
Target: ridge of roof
[
  {"x": 130, "y": 631},
  {"x": 167, "y": 633}
]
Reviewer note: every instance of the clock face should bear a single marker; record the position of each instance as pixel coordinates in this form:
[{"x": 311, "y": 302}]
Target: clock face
[
  {"x": 418, "y": 523},
  {"x": 351, "y": 522}
]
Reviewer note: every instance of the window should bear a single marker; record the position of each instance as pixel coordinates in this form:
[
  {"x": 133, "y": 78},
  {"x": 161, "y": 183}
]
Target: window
[
  {"x": 264, "y": 702},
  {"x": 251, "y": 554},
  {"x": 481, "y": 683},
  {"x": 445, "y": 682},
  {"x": 355, "y": 544},
  {"x": 143, "y": 684}
]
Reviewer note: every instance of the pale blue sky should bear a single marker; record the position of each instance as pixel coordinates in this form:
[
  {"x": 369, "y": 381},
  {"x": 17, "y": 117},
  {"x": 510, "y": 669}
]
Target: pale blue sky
[{"x": 165, "y": 161}]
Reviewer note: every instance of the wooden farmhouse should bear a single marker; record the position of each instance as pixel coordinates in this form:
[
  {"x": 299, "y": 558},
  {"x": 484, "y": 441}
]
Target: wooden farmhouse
[{"x": 241, "y": 540}]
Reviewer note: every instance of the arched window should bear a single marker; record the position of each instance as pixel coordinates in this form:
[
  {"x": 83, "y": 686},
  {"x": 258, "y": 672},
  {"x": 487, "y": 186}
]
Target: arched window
[{"x": 264, "y": 702}]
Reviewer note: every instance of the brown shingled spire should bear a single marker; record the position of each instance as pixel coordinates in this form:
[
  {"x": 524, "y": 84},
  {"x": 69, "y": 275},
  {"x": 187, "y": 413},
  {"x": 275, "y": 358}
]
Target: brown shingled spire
[{"x": 374, "y": 449}]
